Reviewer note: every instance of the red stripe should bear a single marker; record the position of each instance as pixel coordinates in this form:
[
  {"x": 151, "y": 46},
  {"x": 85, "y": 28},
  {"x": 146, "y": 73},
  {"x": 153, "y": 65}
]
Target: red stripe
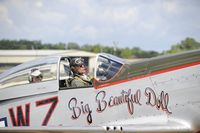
[{"x": 147, "y": 75}]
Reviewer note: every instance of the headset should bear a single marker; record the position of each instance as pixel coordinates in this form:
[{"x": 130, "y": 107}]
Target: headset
[{"x": 30, "y": 77}]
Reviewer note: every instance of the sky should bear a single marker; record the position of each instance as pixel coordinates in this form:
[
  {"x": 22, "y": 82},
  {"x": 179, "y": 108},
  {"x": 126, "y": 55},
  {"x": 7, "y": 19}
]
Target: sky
[{"x": 147, "y": 24}]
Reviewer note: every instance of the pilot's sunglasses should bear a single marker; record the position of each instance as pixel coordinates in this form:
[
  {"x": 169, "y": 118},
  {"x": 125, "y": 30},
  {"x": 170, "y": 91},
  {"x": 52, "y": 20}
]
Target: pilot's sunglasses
[
  {"x": 82, "y": 65},
  {"x": 38, "y": 77}
]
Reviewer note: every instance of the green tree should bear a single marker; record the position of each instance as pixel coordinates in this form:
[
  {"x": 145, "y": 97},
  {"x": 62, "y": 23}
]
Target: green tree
[
  {"x": 109, "y": 50},
  {"x": 73, "y": 45},
  {"x": 86, "y": 47},
  {"x": 96, "y": 48},
  {"x": 126, "y": 53},
  {"x": 187, "y": 44}
]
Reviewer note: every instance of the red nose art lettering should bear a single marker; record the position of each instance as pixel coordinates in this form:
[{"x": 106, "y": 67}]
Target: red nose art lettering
[
  {"x": 101, "y": 103},
  {"x": 158, "y": 101},
  {"x": 126, "y": 97},
  {"x": 53, "y": 101},
  {"x": 22, "y": 118},
  {"x": 78, "y": 109}
]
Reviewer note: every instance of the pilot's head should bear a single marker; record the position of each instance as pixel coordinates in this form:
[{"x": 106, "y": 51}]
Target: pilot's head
[
  {"x": 78, "y": 66},
  {"x": 35, "y": 76}
]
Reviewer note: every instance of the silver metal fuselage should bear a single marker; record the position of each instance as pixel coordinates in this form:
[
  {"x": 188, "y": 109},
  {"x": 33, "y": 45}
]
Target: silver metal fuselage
[{"x": 158, "y": 94}]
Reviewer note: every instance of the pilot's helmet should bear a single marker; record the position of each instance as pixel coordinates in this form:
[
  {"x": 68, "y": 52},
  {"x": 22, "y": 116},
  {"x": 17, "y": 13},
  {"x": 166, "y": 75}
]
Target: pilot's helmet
[
  {"x": 76, "y": 62},
  {"x": 35, "y": 73}
]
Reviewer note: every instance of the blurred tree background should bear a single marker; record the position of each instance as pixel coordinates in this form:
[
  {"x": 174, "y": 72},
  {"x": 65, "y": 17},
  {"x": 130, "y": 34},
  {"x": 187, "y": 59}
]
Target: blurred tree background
[
  {"x": 187, "y": 44},
  {"x": 134, "y": 52}
]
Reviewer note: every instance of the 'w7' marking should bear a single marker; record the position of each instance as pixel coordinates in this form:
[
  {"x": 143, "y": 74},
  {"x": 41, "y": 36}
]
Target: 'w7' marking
[{"x": 53, "y": 101}]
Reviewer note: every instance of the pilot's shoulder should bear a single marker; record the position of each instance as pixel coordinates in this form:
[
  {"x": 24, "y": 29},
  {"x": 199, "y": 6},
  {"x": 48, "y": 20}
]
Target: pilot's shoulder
[{"x": 76, "y": 82}]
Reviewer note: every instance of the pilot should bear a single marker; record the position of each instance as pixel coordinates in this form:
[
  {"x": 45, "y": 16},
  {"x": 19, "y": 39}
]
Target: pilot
[
  {"x": 80, "y": 78},
  {"x": 35, "y": 76}
]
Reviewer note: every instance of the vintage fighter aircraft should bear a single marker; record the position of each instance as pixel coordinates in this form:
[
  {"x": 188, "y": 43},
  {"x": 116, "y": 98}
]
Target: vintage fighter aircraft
[{"x": 154, "y": 95}]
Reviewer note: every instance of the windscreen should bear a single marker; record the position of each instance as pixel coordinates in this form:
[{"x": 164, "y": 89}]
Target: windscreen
[{"x": 106, "y": 68}]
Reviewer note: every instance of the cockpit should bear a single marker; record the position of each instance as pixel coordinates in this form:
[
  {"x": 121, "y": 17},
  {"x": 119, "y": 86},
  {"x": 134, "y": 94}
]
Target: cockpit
[{"x": 56, "y": 74}]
